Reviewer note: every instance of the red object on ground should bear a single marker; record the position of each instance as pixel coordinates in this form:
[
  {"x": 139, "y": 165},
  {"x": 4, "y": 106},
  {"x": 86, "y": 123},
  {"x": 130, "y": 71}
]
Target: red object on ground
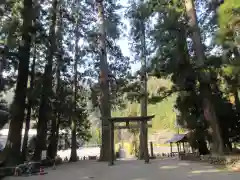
[{"x": 41, "y": 171}]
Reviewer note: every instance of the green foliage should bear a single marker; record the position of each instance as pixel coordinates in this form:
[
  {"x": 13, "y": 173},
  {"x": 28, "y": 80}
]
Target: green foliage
[
  {"x": 67, "y": 110},
  {"x": 163, "y": 110},
  {"x": 53, "y": 49},
  {"x": 169, "y": 52},
  {"x": 173, "y": 56},
  {"x": 228, "y": 13}
]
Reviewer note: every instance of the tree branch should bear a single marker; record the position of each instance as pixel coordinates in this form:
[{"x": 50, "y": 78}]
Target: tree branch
[
  {"x": 166, "y": 94},
  {"x": 6, "y": 52}
]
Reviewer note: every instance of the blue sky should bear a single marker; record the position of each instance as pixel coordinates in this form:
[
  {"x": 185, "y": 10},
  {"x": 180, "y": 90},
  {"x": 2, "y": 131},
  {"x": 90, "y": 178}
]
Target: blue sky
[{"x": 123, "y": 42}]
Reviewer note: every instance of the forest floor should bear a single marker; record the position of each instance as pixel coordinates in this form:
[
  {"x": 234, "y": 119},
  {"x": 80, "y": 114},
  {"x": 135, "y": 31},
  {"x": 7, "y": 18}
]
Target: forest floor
[{"x": 165, "y": 169}]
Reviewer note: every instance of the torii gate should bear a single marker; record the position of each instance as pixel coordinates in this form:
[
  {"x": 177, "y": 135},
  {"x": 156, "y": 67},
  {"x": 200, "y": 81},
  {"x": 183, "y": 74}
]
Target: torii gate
[{"x": 143, "y": 120}]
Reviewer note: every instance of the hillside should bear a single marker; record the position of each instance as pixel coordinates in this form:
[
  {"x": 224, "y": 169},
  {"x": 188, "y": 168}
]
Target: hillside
[{"x": 164, "y": 116}]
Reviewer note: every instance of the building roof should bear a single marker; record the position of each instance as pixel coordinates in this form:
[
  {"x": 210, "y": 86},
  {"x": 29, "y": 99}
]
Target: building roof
[{"x": 177, "y": 138}]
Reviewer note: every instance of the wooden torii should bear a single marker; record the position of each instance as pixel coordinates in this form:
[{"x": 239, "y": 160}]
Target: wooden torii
[{"x": 141, "y": 119}]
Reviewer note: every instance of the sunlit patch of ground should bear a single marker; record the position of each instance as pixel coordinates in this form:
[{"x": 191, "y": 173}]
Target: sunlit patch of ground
[
  {"x": 169, "y": 167},
  {"x": 206, "y": 171}
]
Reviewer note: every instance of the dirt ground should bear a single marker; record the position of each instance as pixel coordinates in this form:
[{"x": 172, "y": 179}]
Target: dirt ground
[{"x": 165, "y": 169}]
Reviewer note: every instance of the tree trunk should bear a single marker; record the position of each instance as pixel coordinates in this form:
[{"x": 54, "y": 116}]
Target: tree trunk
[
  {"x": 237, "y": 101},
  {"x": 2, "y": 64},
  {"x": 52, "y": 148},
  {"x": 235, "y": 81},
  {"x": 12, "y": 154},
  {"x": 73, "y": 156},
  {"x": 205, "y": 89},
  {"x": 66, "y": 139},
  {"x": 229, "y": 146},
  {"x": 144, "y": 99},
  {"x": 202, "y": 144},
  {"x": 45, "y": 107},
  {"x": 1, "y": 72},
  {"x": 29, "y": 107},
  {"x": 27, "y": 127},
  {"x": 202, "y": 147},
  {"x": 53, "y": 145},
  {"x": 55, "y": 148},
  {"x": 105, "y": 107}
]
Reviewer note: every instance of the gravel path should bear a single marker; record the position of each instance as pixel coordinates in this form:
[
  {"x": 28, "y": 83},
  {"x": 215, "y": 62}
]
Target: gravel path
[{"x": 168, "y": 169}]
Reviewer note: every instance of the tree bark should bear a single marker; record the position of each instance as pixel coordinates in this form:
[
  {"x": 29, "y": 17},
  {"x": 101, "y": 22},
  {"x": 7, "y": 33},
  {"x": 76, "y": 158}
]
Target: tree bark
[
  {"x": 73, "y": 156},
  {"x": 45, "y": 107},
  {"x": 237, "y": 101},
  {"x": 12, "y": 153},
  {"x": 53, "y": 145},
  {"x": 144, "y": 100},
  {"x": 105, "y": 106},
  {"x": 205, "y": 89},
  {"x": 29, "y": 108},
  {"x": 52, "y": 148},
  {"x": 2, "y": 64}
]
